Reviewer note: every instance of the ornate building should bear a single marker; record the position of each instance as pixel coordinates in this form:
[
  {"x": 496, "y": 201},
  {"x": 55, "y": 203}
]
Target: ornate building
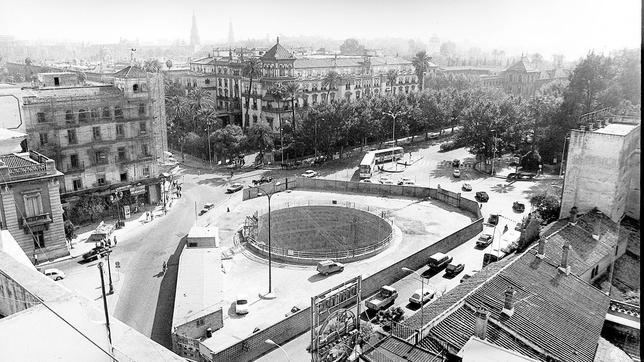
[{"x": 361, "y": 76}]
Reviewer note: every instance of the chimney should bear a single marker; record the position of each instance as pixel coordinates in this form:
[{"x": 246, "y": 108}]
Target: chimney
[
  {"x": 541, "y": 251},
  {"x": 508, "y": 306},
  {"x": 573, "y": 215},
  {"x": 208, "y": 332},
  {"x": 482, "y": 315},
  {"x": 596, "y": 230},
  {"x": 565, "y": 267}
]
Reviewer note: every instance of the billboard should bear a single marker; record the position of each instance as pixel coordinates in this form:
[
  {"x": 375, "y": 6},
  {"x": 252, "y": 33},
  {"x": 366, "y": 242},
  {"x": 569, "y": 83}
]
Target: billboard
[{"x": 334, "y": 322}]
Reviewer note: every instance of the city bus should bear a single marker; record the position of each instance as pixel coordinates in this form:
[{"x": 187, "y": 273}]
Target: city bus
[{"x": 368, "y": 163}]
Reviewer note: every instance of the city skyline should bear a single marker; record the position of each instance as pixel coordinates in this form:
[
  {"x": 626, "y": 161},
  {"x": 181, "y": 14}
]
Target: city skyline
[{"x": 571, "y": 28}]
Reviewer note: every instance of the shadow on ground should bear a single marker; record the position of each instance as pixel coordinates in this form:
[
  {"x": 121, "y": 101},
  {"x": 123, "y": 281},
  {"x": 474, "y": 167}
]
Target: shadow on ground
[{"x": 162, "y": 324}]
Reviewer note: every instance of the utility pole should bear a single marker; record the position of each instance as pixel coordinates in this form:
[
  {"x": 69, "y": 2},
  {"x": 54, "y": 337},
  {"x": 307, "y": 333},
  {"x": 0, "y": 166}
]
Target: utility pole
[
  {"x": 109, "y": 273},
  {"x": 493, "y": 152},
  {"x": 107, "y": 316}
]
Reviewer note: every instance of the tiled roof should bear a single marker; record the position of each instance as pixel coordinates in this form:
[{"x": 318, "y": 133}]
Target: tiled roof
[
  {"x": 277, "y": 52},
  {"x": 131, "y": 71},
  {"x": 521, "y": 66},
  {"x": 560, "y": 315},
  {"x": 13, "y": 160},
  {"x": 392, "y": 349}
]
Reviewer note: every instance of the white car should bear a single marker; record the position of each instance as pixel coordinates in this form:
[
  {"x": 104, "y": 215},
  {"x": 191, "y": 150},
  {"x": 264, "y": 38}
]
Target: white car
[
  {"x": 241, "y": 304},
  {"x": 457, "y": 173},
  {"x": 415, "y": 298},
  {"x": 54, "y": 274},
  {"x": 309, "y": 174}
]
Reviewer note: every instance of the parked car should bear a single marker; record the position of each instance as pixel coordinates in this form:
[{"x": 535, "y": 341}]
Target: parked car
[
  {"x": 54, "y": 274},
  {"x": 438, "y": 261},
  {"x": 309, "y": 174},
  {"x": 406, "y": 181},
  {"x": 367, "y": 180},
  {"x": 329, "y": 266},
  {"x": 456, "y": 163},
  {"x": 518, "y": 207},
  {"x": 454, "y": 269},
  {"x": 456, "y": 173},
  {"x": 95, "y": 253},
  {"x": 241, "y": 305},
  {"x": 427, "y": 296},
  {"x": 386, "y": 296},
  {"x": 262, "y": 180},
  {"x": 234, "y": 187},
  {"x": 467, "y": 187},
  {"x": 386, "y": 181},
  {"x": 482, "y": 196},
  {"x": 484, "y": 240},
  {"x": 208, "y": 205},
  {"x": 493, "y": 219},
  {"x": 468, "y": 275}
]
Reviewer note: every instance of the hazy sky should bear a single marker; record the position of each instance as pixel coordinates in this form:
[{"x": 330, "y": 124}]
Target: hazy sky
[{"x": 571, "y": 27}]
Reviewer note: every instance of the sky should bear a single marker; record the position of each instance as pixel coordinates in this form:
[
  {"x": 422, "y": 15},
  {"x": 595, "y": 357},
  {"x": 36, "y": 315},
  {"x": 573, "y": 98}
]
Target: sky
[{"x": 569, "y": 27}]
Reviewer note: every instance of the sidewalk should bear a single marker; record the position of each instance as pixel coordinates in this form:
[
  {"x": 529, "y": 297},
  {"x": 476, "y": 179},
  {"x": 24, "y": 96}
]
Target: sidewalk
[{"x": 503, "y": 172}]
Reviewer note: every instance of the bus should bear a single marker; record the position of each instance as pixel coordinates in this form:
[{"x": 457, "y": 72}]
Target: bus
[{"x": 368, "y": 163}]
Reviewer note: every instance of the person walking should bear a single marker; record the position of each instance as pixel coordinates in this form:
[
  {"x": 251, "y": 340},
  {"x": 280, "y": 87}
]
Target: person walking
[
  {"x": 165, "y": 266},
  {"x": 114, "y": 240}
]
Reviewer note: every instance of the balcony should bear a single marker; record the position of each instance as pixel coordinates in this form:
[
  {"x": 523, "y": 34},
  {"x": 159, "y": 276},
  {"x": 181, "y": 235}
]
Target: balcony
[
  {"x": 71, "y": 168},
  {"x": 30, "y": 222}
]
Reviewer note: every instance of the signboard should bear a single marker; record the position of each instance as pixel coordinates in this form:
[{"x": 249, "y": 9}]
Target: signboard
[
  {"x": 117, "y": 264},
  {"x": 333, "y": 322},
  {"x": 122, "y": 188},
  {"x": 126, "y": 211},
  {"x": 137, "y": 190}
]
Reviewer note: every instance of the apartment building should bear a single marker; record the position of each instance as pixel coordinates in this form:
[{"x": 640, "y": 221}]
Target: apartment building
[{"x": 105, "y": 138}]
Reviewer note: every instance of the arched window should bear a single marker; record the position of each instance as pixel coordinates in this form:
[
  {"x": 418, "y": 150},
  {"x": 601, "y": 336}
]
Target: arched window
[
  {"x": 69, "y": 115},
  {"x": 135, "y": 88},
  {"x": 118, "y": 112},
  {"x": 141, "y": 109},
  {"x": 95, "y": 113},
  {"x": 83, "y": 115},
  {"x": 106, "y": 112}
]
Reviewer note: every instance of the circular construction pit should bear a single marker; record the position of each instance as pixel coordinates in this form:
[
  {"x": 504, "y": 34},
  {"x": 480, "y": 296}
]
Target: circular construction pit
[{"x": 309, "y": 234}]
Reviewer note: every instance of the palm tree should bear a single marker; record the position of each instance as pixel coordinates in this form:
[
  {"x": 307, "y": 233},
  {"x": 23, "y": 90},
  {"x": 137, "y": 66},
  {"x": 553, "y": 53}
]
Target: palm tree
[
  {"x": 260, "y": 137},
  {"x": 331, "y": 80},
  {"x": 292, "y": 91},
  {"x": 392, "y": 75},
  {"x": 252, "y": 69},
  {"x": 421, "y": 66},
  {"x": 199, "y": 99}
]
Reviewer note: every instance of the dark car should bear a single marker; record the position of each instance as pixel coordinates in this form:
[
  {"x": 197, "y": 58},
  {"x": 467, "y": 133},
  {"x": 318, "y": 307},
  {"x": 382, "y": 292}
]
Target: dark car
[
  {"x": 95, "y": 253},
  {"x": 263, "y": 180},
  {"x": 518, "y": 207},
  {"x": 454, "y": 269},
  {"x": 493, "y": 219},
  {"x": 438, "y": 261},
  {"x": 484, "y": 240},
  {"x": 482, "y": 196},
  {"x": 456, "y": 163}
]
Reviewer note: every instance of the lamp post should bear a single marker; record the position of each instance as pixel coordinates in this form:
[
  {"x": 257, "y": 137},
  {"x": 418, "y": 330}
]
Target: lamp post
[
  {"x": 563, "y": 151},
  {"x": 270, "y": 341},
  {"x": 163, "y": 191},
  {"x": 270, "y": 294},
  {"x": 493, "y": 152},
  {"x": 393, "y": 132},
  {"x": 109, "y": 273},
  {"x": 209, "y": 151},
  {"x": 422, "y": 297}
]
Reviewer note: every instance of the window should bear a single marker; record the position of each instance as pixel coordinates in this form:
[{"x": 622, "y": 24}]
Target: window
[
  {"x": 254, "y": 118},
  {"x": 73, "y": 159},
  {"x": 270, "y": 122},
  {"x": 78, "y": 184},
  {"x": 141, "y": 109},
  {"x": 144, "y": 149},
  {"x": 39, "y": 239},
  {"x": 100, "y": 180},
  {"x": 200, "y": 322},
  {"x": 101, "y": 158},
  {"x": 219, "y": 81},
  {"x": 120, "y": 132},
  {"x": 207, "y": 81},
  {"x": 106, "y": 112},
  {"x": 43, "y": 139},
  {"x": 142, "y": 128},
  {"x": 118, "y": 112},
  {"x": 33, "y": 204},
  {"x": 594, "y": 272},
  {"x": 71, "y": 137},
  {"x": 96, "y": 133},
  {"x": 121, "y": 152},
  {"x": 124, "y": 177},
  {"x": 69, "y": 115},
  {"x": 94, "y": 113},
  {"x": 135, "y": 88},
  {"x": 83, "y": 115},
  {"x": 146, "y": 171},
  {"x": 41, "y": 117},
  {"x": 56, "y": 81}
]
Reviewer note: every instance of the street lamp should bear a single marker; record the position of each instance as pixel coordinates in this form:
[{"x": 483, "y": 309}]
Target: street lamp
[
  {"x": 270, "y": 341},
  {"x": 109, "y": 273},
  {"x": 393, "y": 132},
  {"x": 493, "y": 152},
  {"x": 422, "y": 297},
  {"x": 270, "y": 294}
]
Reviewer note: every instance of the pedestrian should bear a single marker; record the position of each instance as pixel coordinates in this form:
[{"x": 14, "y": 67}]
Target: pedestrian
[
  {"x": 114, "y": 240},
  {"x": 232, "y": 173},
  {"x": 228, "y": 209},
  {"x": 480, "y": 206},
  {"x": 35, "y": 259},
  {"x": 505, "y": 229}
]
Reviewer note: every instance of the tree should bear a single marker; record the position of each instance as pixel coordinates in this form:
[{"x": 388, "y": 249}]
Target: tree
[
  {"x": 292, "y": 91},
  {"x": 70, "y": 230},
  {"x": 352, "y": 47},
  {"x": 252, "y": 69},
  {"x": 392, "y": 76},
  {"x": 88, "y": 207},
  {"x": 228, "y": 142},
  {"x": 168, "y": 63},
  {"x": 330, "y": 81},
  {"x": 531, "y": 161},
  {"x": 152, "y": 66},
  {"x": 421, "y": 66},
  {"x": 260, "y": 137},
  {"x": 547, "y": 206}
]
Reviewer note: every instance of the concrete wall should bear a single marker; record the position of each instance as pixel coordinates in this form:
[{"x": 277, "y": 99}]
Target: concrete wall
[
  {"x": 13, "y": 297},
  {"x": 298, "y": 323},
  {"x": 185, "y": 338}
]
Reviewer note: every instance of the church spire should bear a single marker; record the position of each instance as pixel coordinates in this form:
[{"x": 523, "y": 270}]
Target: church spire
[{"x": 194, "y": 32}]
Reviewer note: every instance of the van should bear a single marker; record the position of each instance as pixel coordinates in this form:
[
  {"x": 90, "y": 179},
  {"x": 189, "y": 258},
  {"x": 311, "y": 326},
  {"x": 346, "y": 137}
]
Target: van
[
  {"x": 329, "y": 266},
  {"x": 439, "y": 261}
]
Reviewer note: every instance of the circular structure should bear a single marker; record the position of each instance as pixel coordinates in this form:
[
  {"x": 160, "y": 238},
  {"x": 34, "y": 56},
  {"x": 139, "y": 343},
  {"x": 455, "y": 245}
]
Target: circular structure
[{"x": 309, "y": 234}]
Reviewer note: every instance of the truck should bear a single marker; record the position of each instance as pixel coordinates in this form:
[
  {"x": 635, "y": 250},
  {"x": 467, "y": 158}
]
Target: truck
[
  {"x": 386, "y": 296},
  {"x": 102, "y": 232}
]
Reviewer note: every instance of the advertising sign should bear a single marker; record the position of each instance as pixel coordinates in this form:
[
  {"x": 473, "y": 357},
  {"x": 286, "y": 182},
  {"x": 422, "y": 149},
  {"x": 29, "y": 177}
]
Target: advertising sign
[
  {"x": 333, "y": 320},
  {"x": 126, "y": 211}
]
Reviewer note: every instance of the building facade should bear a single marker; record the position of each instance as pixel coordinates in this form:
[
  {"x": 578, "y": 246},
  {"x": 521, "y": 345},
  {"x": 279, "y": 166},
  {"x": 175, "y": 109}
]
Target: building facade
[
  {"x": 602, "y": 167},
  {"x": 30, "y": 207},
  {"x": 361, "y": 76},
  {"x": 103, "y": 137}
]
